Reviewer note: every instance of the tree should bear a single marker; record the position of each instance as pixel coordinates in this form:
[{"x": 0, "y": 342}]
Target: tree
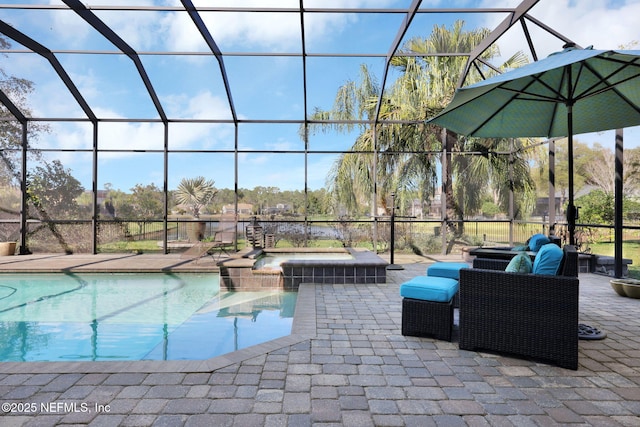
[
  {"x": 195, "y": 193},
  {"x": 265, "y": 197},
  {"x": 147, "y": 201},
  {"x": 632, "y": 171},
  {"x": 404, "y": 160},
  {"x": 317, "y": 202},
  {"x": 490, "y": 209},
  {"x": 9, "y": 208},
  {"x": 119, "y": 204},
  {"x": 227, "y": 196},
  {"x": 18, "y": 91},
  {"x": 54, "y": 191},
  {"x": 596, "y": 208},
  {"x": 438, "y": 77},
  {"x": 596, "y": 166},
  {"x": 540, "y": 159},
  {"x": 352, "y": 176},
  {"x": 489, "y": 170}
]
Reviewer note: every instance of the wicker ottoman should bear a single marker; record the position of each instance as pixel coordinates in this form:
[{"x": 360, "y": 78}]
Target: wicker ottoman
[
  {"x": 427, "y": 307},
  {"x": 450, "y": 270}
]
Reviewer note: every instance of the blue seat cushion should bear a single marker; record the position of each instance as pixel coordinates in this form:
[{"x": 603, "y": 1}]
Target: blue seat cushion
[
  {"x": 450, "y": 270},
  {"x": 548, "y": 259},
  {"x": 536, "y": 241},
  {"x": 429, "y": 288}
]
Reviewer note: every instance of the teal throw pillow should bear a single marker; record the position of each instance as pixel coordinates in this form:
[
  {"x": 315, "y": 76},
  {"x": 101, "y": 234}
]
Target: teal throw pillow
[
  {"x": 520, "y": 263},
  {"x": 548, "y": 259},
  {"x": 536, "y": 241},
  {"x": 519, "y": 248}
]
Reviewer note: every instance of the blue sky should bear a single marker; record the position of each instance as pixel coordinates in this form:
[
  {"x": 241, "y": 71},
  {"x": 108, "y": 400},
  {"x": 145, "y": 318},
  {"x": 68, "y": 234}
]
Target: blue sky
[{"x": 263, "y": 88}]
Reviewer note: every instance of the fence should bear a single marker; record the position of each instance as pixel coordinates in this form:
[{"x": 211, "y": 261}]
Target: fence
[{"x": 411, "y": 234}]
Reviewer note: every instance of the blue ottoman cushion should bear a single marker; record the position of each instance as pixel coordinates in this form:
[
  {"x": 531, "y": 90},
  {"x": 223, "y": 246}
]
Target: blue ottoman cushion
[
  {"x": 429, "y": 288},
  {"x": 446, "y": 269}
]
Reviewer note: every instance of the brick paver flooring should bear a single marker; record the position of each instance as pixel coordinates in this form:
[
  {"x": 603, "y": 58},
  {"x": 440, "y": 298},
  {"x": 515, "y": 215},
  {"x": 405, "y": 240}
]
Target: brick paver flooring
[{"x": 356, "y": 370}]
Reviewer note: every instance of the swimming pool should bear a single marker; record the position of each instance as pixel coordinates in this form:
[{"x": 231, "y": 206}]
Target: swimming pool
[{"x": 122, "y": 316}]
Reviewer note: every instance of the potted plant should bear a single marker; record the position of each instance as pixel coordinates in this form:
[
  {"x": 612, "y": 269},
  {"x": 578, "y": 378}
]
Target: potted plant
[
  {"x": 8, "y": 236},
  {"x": 7, "y": 248},
  {"x": 195, "y": 194}
]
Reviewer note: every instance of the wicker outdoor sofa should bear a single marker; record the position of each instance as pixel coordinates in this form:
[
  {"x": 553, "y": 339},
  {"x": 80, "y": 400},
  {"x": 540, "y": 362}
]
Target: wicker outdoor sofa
[{"x": 530, "y": 315}]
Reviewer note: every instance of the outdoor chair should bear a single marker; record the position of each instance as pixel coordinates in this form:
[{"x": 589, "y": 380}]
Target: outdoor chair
[
  {"x": 225, "y": 236},
  {"x": 223, "y": 239},
  {"x": 197, "y": 251},
  {"x": 528, "y": 315}
]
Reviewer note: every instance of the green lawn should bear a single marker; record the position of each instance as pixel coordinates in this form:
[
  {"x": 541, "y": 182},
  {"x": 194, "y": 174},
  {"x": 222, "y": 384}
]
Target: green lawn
[
  {"x": 145, "y": 246},
  {"x": 630, "y": 250}
]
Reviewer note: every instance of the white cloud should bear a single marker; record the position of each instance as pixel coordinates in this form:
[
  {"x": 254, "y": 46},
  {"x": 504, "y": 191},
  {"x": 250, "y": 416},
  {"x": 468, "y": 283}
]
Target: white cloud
[
  {"x": 147, "y": 136},
  {"x": 585, "y": 21},
  {"x": 111, "y": 136},
  {"x": 68, "y": 26},
  {"x": 204, "y": 105},
  {"x": 235, "y": 31},
  {"x": 271, "y": 31},
  {"x": 137, "y": 29},
  {"x": 282, "y": 144},
  {"x": 596, "y": 23},
  {"x": 603, "y": 24}
]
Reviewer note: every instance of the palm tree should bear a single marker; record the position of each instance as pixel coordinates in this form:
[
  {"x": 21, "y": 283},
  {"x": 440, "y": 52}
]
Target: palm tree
[
  {"x": 405, "y": 155},
  {"x": 351, "y": 179},
  {"x": 474, "y": 174},
  {"x": 195, "y": 193}
]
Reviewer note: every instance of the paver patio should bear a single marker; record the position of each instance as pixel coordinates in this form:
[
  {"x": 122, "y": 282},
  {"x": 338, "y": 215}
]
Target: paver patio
[{"x": 345, "y": 363}]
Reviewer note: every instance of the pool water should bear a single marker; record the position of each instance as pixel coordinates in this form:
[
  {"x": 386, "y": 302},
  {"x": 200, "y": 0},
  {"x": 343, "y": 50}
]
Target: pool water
[
  {"x": 274, "y": 259},
  {"x": 122, "y": 316}
]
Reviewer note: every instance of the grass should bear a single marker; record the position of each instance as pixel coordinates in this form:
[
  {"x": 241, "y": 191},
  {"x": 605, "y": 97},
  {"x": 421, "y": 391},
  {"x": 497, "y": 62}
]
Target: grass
[
  {"x": 145, "y": 246},
  {"x": 630, "y": 250}
]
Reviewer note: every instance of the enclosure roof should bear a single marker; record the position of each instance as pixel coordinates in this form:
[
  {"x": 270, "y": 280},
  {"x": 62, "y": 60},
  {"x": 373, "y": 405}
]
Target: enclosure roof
[{"x": 229, "y": 62}]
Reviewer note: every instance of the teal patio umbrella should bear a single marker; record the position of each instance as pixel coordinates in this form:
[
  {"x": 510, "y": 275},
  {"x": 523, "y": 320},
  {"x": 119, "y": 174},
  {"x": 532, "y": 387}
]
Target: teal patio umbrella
[{"x": 570, "y": 92}]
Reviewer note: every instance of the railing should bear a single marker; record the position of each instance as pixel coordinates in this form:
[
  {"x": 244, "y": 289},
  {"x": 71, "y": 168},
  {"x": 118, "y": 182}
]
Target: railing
[{"x": 413, "y": 234}]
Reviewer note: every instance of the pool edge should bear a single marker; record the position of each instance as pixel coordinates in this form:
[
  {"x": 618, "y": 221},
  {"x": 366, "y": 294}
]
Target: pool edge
[{"x": 303, "y": 328}]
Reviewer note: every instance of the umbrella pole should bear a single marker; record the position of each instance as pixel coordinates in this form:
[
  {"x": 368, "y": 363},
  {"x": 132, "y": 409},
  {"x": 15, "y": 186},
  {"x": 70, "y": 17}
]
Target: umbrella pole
[
  {"x": 571, "y": 209},
  {"x": 618, "y": 204},
  {"x": 572, "y": 212}
]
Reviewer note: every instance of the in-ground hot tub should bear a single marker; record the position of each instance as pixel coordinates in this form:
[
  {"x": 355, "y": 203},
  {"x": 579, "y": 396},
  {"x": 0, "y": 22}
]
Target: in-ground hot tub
[{"x": 286, "y": 268}]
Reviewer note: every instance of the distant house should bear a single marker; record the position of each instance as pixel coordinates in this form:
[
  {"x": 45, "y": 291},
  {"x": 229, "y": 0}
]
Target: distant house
[
  {"x": 243, "y": 209},
  {"x": 278, "y": 209},
  {"x": 542, "y": 206},
  {"x": 542, "y": 203},
  {"x": 104, "y": 204},
  {"x": 416, "y": 208},
  {"x": 435, "y": 204}
]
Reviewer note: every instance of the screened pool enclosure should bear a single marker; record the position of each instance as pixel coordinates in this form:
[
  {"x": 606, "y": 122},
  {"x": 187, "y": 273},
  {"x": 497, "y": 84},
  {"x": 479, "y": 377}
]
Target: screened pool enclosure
[{"x": 308, "y": 118}]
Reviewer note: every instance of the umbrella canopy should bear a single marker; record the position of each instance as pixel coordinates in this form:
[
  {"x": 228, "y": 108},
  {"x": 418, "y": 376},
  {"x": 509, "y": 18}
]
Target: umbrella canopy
[{"x": 569, "y": 92}]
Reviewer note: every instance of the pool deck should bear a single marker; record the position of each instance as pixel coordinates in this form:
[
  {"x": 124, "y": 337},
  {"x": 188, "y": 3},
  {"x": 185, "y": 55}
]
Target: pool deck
[{"x": 345, "y": 363}]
